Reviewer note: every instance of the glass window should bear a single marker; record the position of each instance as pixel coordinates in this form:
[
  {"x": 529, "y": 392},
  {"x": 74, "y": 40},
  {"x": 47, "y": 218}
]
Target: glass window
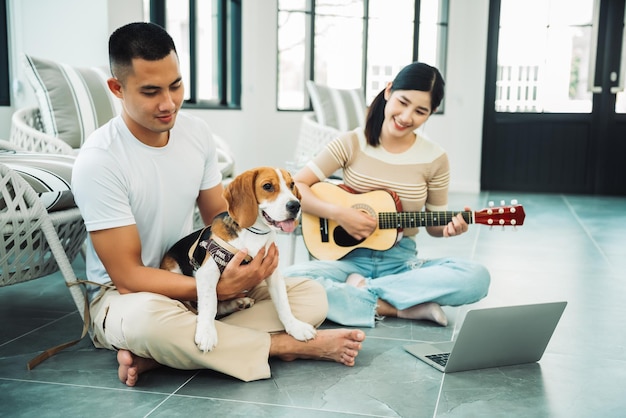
[
  {"x": 293, "y": 59},
  {"x": 177, "y": 25},
  {"x": 354, "y": 43},
  {"x": 543, "y": 56},
  {"x": 207, "y": 34},
  {"x": 390, "y": 44},
  {"x": 338, "y": 53}
]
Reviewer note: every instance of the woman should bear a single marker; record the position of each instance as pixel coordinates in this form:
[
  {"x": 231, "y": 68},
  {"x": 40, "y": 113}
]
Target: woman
[{"x": 389, "y": 154}]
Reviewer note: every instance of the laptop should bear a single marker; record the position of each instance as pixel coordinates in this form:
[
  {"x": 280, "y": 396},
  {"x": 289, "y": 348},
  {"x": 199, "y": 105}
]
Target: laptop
[{"x": 494, "y": 337}]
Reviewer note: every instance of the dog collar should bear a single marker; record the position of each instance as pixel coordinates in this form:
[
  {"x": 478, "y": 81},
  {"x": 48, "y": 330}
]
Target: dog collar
[{"x": 258, "y": 231}]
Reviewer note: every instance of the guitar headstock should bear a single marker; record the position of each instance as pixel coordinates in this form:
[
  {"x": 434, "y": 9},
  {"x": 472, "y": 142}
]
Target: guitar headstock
[{"x": 512, "y": 215}]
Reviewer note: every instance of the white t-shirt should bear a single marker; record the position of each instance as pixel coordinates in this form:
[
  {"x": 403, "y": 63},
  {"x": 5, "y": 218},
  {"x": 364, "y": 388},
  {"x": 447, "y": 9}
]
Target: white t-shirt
[{"x": 118, "y": 181}]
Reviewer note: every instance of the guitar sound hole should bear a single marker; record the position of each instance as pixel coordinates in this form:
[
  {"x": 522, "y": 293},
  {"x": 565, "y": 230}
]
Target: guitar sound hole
[{"x": 343, "y": 239}]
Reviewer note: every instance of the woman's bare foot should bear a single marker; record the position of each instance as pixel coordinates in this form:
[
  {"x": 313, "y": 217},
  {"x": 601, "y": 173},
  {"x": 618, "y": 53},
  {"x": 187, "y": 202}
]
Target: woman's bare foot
[
  {"x": 356, "y": 280},
  {"x": 131, "y": 366},
  {"x": 339, "y": 345},
  {"x": 429, "y": 311}
]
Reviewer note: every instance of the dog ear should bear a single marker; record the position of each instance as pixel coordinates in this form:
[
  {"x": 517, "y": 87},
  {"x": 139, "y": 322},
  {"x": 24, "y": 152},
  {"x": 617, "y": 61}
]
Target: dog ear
[
  {"x": 241, "y": 198},
  {"x": 296, "y": 192},
  {"x": 288, "y": 179}
]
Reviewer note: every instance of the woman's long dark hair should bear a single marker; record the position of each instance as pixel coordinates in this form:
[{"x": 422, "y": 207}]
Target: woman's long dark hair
[{"x": 415, "y": 76}]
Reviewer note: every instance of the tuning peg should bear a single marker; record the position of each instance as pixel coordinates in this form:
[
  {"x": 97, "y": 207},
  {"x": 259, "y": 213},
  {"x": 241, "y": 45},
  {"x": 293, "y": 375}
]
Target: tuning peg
[
  {"x": 514, "y": 201},
  {"x": 490, "y": 204},
  {"x": 502, "y": 203}
]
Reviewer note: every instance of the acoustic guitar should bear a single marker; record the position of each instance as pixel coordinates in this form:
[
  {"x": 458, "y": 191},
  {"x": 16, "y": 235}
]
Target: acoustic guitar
[{"x": 326, "y": 240}]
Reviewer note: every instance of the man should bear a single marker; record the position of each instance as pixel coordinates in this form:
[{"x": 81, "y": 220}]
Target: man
[{"x": 136, "y": 181}]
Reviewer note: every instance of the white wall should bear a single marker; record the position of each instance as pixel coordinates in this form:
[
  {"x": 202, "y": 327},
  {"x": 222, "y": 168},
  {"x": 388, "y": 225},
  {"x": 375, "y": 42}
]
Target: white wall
[
  {"x": 459, "y": 130},
  {"x": 46, "y": 29},
  {"x": 258, "y": 134}
]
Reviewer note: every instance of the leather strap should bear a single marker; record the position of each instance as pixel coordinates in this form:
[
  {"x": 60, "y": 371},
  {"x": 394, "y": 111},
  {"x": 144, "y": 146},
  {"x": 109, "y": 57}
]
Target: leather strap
[
  {"x": 196, "y": 253},
  {"x": 34, "y": 362}
]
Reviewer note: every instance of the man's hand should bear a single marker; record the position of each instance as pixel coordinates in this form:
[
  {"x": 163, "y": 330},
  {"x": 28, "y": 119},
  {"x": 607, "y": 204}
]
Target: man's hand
[{"x": 238, "y": 279}]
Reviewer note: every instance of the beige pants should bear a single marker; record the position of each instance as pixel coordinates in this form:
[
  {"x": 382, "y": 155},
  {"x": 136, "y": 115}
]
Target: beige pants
[{"x": 154, "y": 326}]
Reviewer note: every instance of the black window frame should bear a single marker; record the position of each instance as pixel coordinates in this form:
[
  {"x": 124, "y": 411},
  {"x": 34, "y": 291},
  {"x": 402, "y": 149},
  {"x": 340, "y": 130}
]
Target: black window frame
[
  {"x": 228, "y": 54},
  {"x": 309, "y": 71},
  {"x": 5, "y": 91}
]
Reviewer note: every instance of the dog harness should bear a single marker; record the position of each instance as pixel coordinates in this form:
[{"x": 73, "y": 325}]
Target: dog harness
[{"x": 221, "y": 251}]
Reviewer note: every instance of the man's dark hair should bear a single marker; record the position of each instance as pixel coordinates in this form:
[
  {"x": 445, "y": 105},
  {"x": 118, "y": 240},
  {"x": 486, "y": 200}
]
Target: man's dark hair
[{"x": 142, "y": 40}]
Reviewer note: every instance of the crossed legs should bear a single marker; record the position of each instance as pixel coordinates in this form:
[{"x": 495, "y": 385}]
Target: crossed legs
[
  {"x": 429, "y": 311},
  {"x": 339, "y": 345}
]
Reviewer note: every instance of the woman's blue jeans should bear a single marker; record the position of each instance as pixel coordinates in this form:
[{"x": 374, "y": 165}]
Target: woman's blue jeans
[{"x": 396, "y": 276}]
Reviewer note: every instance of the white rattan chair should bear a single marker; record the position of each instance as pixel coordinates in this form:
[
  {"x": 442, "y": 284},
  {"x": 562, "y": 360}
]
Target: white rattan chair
[
  {"x": 312, "y": 138},
  {"x": 36, "y": 243},
  {"x": 27, "y": 134}
]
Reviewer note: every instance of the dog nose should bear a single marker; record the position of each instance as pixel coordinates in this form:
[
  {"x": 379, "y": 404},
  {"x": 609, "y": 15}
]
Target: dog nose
[{"x": 293, "y": 206}]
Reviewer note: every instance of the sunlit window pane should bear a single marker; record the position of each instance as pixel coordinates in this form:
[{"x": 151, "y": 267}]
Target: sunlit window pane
[
  {"x": 433, "y": 32},
  {"x": 293, "y": 5},
  {"x": 291, "y": 58},
  {"x": 177, "y": 25},
  {"x": 206, "y": 38},
  {"x": 543, "y": 56},
  {"x": 339, "y": 53},
  {"x": 339, "y": 43},
  {"x": 620, "y": 104},
  {"x": 390, "y": 42},
  {"x": 208, "y": 42}
]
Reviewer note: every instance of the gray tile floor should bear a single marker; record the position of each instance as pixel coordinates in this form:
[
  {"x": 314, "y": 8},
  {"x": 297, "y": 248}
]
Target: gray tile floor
[{"x": 570, "y": 248}]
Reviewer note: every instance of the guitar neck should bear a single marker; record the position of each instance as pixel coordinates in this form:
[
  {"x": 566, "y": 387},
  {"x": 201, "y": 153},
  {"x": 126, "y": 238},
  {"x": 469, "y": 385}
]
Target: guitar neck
[
  {"x": 394, "y": 220},
  {"x": 327, "y": 240}
]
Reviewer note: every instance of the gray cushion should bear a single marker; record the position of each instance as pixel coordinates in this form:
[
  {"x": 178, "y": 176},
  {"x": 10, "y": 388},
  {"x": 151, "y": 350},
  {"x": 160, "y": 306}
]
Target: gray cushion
[
  {"x": 342, "y": 109},
  {"x": 49, "y": 175},
  {"x": 73, "y": 101}
]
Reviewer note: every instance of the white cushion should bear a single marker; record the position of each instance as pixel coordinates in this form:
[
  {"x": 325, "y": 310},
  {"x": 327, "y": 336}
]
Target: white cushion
[
  {"x": 342, "y": 109},
  {"x": 49, "y": 175},
  {"x": 73, "y": 101}
]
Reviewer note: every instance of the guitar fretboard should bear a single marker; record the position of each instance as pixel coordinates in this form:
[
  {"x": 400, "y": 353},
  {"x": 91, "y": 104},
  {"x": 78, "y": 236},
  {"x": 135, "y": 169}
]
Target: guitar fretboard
[{"x": 392, "y": 220}]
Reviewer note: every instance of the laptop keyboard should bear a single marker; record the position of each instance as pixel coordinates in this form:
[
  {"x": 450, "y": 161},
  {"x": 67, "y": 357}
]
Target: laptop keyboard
[{"x": 440, "y": 359}]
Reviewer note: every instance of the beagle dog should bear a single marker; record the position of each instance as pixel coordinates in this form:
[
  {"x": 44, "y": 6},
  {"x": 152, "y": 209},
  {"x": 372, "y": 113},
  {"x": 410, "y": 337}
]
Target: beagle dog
[{"x": 260, "y": 201}]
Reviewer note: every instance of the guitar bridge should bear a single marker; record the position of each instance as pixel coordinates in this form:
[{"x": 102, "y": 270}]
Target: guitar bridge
[{"x": 324, "y": 230}]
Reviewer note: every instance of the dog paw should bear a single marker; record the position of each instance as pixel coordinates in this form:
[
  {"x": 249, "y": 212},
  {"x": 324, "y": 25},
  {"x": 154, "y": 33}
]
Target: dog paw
[
  {"x": 206, "y": 338},
  {"x": 301, "y": 330},
  {"x": 229, "y": 306}
]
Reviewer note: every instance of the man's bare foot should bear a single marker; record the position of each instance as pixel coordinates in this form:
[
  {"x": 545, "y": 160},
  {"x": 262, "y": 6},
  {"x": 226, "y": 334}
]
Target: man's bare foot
[
  {"x": 356, "y": 280},
  {"x": 339, "y": 345},
  {"x": 429, "y": 311},
  {"x": 131, "y": 366}
]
